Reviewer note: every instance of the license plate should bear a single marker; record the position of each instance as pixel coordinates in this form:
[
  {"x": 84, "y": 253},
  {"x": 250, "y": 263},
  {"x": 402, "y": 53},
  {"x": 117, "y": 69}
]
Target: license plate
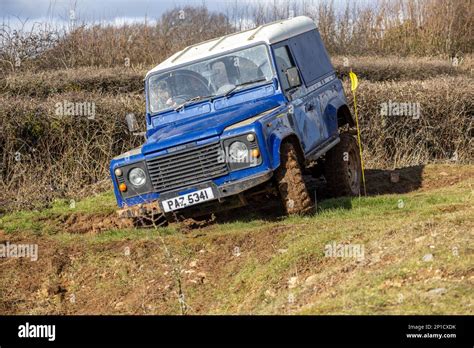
[{"x": 187, "y": 199}]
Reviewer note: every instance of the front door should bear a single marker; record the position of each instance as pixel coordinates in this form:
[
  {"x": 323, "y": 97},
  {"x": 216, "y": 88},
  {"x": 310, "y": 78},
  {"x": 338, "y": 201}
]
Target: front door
[{"x": 304, "y": 105}]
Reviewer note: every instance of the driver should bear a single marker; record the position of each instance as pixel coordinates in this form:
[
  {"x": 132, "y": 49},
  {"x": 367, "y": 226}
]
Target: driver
[{"x": 161, "y": 97}]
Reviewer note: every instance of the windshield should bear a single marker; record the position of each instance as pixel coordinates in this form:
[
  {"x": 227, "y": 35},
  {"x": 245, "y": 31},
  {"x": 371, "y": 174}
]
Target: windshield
[{"x": 208, "y": 78}]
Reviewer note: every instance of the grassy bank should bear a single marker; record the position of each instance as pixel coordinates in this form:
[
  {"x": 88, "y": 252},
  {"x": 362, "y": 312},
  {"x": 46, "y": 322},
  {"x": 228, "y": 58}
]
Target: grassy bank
[{"x": 416, "y": 258}]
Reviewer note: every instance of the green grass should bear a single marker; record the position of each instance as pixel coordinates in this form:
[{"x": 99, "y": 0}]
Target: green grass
[
  {"x": 103, "y": 203},
  {"x": 40, "y": 222},
  {"x": 391, "y": 279},
  {"x": 372, "y": 222}
]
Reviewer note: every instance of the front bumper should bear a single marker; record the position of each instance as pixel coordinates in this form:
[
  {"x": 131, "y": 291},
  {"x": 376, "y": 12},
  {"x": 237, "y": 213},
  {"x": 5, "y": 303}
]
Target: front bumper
[{"x": 220, "y": 192}]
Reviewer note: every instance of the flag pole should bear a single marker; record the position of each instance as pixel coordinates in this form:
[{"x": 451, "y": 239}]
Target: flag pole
[{"x": 354, "y": 85}]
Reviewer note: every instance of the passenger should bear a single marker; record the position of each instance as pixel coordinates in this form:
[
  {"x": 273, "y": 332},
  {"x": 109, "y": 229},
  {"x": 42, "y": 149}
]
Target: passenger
[{"x": 220, "y": 78}]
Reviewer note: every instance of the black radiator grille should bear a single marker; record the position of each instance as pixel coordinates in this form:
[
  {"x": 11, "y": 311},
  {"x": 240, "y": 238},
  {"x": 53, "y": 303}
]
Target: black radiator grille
[{"x": 187, "y": 167}]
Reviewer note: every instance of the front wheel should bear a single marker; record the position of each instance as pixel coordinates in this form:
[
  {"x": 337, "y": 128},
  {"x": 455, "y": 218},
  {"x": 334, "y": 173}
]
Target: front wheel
[
  {"x": 290, "y": 182},
  {"x": 342, "y": 168}
]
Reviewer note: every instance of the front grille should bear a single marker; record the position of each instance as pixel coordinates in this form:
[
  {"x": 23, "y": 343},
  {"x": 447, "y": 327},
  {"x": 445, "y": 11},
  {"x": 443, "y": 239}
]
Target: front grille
[{"x": 187, "y": 167}]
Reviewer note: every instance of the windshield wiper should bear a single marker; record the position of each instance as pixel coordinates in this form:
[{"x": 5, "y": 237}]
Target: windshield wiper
[
  {"x": 192, "y": 100},
  {"x": 233, "y": 89}
]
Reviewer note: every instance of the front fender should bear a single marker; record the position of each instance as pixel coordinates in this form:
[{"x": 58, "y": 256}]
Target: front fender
[{"x": 275, "y": 140}]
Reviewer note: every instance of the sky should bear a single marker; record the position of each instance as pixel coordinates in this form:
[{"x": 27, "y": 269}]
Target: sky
[
  {"x": 57, "y": 12},
  {"x": 94, "y": 10}
]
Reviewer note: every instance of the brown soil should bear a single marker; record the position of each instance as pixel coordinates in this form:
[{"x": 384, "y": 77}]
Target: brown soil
[
  {"x": 137, "y": 277},
  {"x": 87, "y": 223},
  {"x": 422, "y": 178},
  {"x": 291, "y": 185}
]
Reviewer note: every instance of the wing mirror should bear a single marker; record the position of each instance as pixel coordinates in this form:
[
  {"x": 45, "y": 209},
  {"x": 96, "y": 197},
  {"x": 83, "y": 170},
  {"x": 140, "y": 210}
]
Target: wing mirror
[
  {"x": 132, "y": 123},
  {"x": 293, "y": 77},
  {"x": 133, "y": 126}
]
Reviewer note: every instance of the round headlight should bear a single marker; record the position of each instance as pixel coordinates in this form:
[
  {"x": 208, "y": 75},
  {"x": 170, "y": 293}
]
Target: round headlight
[
  {"x": 137, "y": 177},
  {"x": 250, "y": 137},
  {"x": 238, "y": 151}
]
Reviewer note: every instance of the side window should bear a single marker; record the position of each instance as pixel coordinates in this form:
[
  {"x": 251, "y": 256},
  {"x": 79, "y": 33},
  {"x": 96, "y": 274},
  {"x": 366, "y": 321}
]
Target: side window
[
  {"x": 283, "y": 60},
  {"x": 310, "y": 53}
]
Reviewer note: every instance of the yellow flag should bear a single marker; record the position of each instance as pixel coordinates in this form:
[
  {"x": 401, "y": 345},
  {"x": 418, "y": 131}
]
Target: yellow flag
[{"x": 354, "y": 81}]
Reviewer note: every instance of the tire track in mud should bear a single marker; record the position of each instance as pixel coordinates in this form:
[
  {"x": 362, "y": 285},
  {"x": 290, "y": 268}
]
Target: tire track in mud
[
  {"x": 99, "y": 278},
  {"x": 78, "y": 270},
  {"x": 396, "y": 181}
]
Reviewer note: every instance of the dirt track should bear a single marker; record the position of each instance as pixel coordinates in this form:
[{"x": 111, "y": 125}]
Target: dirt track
[{"x": 80, "y": 272}]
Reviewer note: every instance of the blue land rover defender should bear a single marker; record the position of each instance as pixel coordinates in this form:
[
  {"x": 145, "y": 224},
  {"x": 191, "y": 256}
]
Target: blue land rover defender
[{"x": 231, "y": 117}]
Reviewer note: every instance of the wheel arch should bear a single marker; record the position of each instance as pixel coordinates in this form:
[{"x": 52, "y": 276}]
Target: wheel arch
[
  {"x": 344, "y": 116},
  {"x": 281, "y": 137}
]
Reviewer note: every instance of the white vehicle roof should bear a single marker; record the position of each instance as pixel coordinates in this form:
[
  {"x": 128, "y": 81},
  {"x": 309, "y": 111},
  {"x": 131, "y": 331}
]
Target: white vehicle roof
[{"x": 269, "y": 33}]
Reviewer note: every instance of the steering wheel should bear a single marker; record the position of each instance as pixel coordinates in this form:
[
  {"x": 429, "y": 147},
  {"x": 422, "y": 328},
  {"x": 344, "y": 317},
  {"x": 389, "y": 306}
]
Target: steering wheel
[{"x": 179, "y": 99}]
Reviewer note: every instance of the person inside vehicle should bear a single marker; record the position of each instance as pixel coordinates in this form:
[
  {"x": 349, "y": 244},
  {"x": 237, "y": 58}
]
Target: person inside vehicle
[
  {"x": 160, "y": 97},
  {"x": 220, "y": 79}
]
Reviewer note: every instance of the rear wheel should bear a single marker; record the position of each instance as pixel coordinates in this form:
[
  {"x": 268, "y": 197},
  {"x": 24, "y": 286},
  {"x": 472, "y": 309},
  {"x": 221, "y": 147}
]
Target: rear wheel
[
  {"x": 342, "y": 168},
  {"x": 290, "y": 182}
]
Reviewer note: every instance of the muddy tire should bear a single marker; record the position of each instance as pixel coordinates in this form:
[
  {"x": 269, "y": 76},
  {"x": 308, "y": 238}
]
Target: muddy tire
[
  {"x": 342, "y": 168},
  {"x": 290, "y": 182}
]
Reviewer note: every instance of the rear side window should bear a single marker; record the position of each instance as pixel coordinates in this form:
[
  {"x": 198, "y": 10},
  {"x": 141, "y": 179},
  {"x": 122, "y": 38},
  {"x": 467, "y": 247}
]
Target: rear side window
[
  {"x": 311, "y": 56},
  {"x": 283, "y": 61}
]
